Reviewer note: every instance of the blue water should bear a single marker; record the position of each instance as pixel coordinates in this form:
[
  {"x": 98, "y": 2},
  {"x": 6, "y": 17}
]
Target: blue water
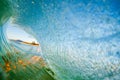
[{"x": 80, "y": 39}]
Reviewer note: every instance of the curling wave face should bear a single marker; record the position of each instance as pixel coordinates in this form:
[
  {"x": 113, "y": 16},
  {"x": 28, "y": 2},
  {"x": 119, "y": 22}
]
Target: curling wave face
[{"x": 79, "y": 39}]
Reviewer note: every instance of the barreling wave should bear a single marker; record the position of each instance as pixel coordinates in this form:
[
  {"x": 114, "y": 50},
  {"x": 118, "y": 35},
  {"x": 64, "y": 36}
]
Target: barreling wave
[
  {"x": 80, "y": 39},
  {"x": 14, "y": 63}
]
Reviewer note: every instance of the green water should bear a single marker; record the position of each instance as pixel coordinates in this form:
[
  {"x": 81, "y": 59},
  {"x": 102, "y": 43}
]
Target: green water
[
  {"x": 80, "y": 39},
  {"x": 12, "y": 57}
]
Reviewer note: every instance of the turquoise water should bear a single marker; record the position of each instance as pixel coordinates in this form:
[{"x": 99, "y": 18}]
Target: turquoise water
[{"x": 80, "y": 39}]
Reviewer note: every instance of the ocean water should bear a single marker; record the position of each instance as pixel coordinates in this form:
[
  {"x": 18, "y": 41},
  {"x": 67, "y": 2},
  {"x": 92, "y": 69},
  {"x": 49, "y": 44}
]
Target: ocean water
[{"x": 80, "y": 39}]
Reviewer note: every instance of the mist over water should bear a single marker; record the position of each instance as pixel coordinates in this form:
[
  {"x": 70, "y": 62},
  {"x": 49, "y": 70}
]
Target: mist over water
[{"x": 80, "y": 39}]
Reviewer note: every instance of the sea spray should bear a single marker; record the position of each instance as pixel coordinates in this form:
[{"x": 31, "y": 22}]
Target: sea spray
[{"x": 80, "y": 39}]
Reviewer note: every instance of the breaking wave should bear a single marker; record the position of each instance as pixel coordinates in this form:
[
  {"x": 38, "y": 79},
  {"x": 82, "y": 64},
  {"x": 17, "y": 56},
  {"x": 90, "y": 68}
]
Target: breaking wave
[{"x": 80, "y": 39}]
